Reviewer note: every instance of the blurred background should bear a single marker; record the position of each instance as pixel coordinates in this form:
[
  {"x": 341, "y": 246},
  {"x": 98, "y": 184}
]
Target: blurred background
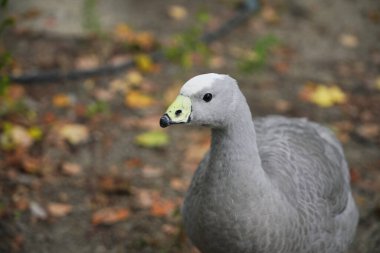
[{"x": 84, "y": 166}]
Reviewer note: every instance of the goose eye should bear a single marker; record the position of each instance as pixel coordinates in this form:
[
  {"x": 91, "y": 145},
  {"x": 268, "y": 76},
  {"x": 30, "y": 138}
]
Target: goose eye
[{"x": 207, "y": 97}]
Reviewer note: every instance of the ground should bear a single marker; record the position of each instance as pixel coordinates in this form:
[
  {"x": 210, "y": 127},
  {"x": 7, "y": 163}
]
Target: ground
[{"x": 88, "y": 185}]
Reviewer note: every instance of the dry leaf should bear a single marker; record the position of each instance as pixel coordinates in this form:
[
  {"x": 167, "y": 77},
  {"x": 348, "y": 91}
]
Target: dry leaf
[
  {"x": 71, "y": 169},
  {"x": 123, "y": 33},
  {"x": 59, "y": 209},
  {"x": 20, "y": 136},
  {"x": 134, "y": 77},
  {"x": 170, "y": 229},
  {"x": 62, "y": 100},
  {"x": 37, "y": 210},
  {"x": 74, "y": 133},
  {"x": 87, "y": 62},
  {"x": 144, "y": 40},
  {"x": 116, "y": 185},
  {"x": 270, "y": 15},
  {"x": 31, "y": 165},
  {"x": 369, "y": 130},
  {"x": 111, "y": 215},
  {"x": 162, "y": 207},
  {"x": 177, "y": 12},
  {"x": 138, "y": 100},
  {"x": 349, "y": 40},
  {"x": 151, "y": 172},
  {"x": 178, "y": 184},
  {"x": 15, "y": 91},
  {"x": 133, "y": 163},
  {"x": 144, "y": 197}
]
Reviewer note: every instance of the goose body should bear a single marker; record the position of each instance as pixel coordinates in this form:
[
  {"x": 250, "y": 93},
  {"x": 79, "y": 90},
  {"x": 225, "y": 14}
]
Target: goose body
[{"x": 267, "y": 185}]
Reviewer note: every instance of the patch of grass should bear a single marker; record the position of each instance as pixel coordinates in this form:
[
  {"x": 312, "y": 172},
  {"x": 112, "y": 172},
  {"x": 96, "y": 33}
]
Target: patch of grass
[
  {"x": 91, "y": 21},
  {"x": 256, "y": 59}
]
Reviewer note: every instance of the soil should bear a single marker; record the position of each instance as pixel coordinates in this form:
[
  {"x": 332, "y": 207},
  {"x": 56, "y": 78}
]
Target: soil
[{"x": 320, "y": 42}]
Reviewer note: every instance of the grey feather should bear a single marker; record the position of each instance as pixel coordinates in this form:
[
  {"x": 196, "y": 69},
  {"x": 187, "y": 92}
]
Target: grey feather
[{"x": 267, "y": 185}]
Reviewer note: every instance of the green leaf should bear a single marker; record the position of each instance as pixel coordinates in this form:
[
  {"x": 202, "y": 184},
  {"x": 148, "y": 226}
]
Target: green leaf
[{"x": 152, "y": 139}]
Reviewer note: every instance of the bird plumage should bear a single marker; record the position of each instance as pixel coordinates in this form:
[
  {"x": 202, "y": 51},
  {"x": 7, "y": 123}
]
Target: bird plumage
[{"x": 267, "y": 185}]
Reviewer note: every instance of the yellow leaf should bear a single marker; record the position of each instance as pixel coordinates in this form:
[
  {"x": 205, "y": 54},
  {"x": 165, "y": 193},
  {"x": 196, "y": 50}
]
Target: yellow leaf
[
  {"x": 321, "y": 97},
  {"x": 138, "y": 100},
  {"x": 325, "y": 96},
  {"x": 152, "y": 139},
  {"x": 134, "y": 77},
  {"x": 144, "y": 63},
  {"x": 337, "y": 95},
  {"x": 35, "y": 133}
]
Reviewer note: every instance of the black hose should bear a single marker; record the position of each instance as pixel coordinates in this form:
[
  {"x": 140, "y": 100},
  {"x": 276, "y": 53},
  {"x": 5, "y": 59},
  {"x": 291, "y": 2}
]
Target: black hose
[{"x": 59, "y": 75}]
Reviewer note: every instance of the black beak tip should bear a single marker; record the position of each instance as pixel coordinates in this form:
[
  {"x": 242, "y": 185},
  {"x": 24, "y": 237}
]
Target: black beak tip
[{"x": 164, "y": 121}]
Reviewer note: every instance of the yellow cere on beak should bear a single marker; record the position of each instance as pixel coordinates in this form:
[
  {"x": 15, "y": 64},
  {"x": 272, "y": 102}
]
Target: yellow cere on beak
[{"x": 178, "y": 112}]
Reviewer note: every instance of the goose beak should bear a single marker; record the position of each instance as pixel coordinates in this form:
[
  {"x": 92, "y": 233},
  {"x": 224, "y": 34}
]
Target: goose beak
[{"x": 178, "y": 112}]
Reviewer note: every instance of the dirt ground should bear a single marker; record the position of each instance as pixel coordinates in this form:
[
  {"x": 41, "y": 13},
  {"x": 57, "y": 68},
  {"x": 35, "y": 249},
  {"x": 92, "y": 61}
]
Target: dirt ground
[{"x": 108, "y": 193}]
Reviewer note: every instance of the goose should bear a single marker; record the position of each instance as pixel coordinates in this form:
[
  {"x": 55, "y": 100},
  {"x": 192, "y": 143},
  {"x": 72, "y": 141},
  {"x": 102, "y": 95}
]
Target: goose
[{"x": 267, "y": 185}]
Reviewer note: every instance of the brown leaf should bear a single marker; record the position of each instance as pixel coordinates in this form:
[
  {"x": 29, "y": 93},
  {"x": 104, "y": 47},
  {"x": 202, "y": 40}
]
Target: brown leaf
[
  {"x": 170, "y": 229},
  {"x": 162, "y": 207},
  {"x": 71, "y": 169},
  {"x": 369, "y": 130},
  {"x": 116, "y": 185},
  {"x": 349, "y": 40},
  {"x": 133, "y": 163},
  {"x": 59, "y": 209},
  {"x": 16, "y": 92},
  {"x": 138, "y": 100},
  {"x": 62, "y": 100},
  {"x": 31, "y": 165},
  {"x": 111, "y": 215}
]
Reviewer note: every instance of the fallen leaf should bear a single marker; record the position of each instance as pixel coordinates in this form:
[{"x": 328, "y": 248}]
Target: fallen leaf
[
  {"x": 134, "y": 77},
  {"x": 177, "y": 12},
  {"x": 59, "y": 209},
  {"x": 35, "y": 133},
  {"x": 144, "y": 197},
  {"x": 377, "y": 83},
  {"x": 133, "y": 163},
  {"x": 115, "y": 185},
  {"x": 15, "y": 91},
  {"x": 170, "y": 229},
  {"x": 145, "y": 63},
  {"x": 369, "y": 130},
  {"x": 31, "y": 165},
  {"x": 270, "y": 15},
  {"x": 123, "y": 33},
  {"x": 138, "y": 100},
  {"x": 37, "y": 210},
  {"x": 19, "y": 136},
  {"x": 74, "y": 133},
  {"x": 144, "y": 40},
  {"x": 282, "y": 105},
  {"x": 62, "y": 100},
  {"x": 322, "y": 95},
  {"x": 151, "y": 172},
  {"x": 178, "y": 184},
  {"x": 349, "y": 40},
  {"x": 71, "y": 169},
  {"x": 103, "y": 95},
  {"x": 87, "y": 62},
  {"x": 152, "y": 139},
  {"x": 162, "y": 207},
  {"x": 111, "y": 215}
]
